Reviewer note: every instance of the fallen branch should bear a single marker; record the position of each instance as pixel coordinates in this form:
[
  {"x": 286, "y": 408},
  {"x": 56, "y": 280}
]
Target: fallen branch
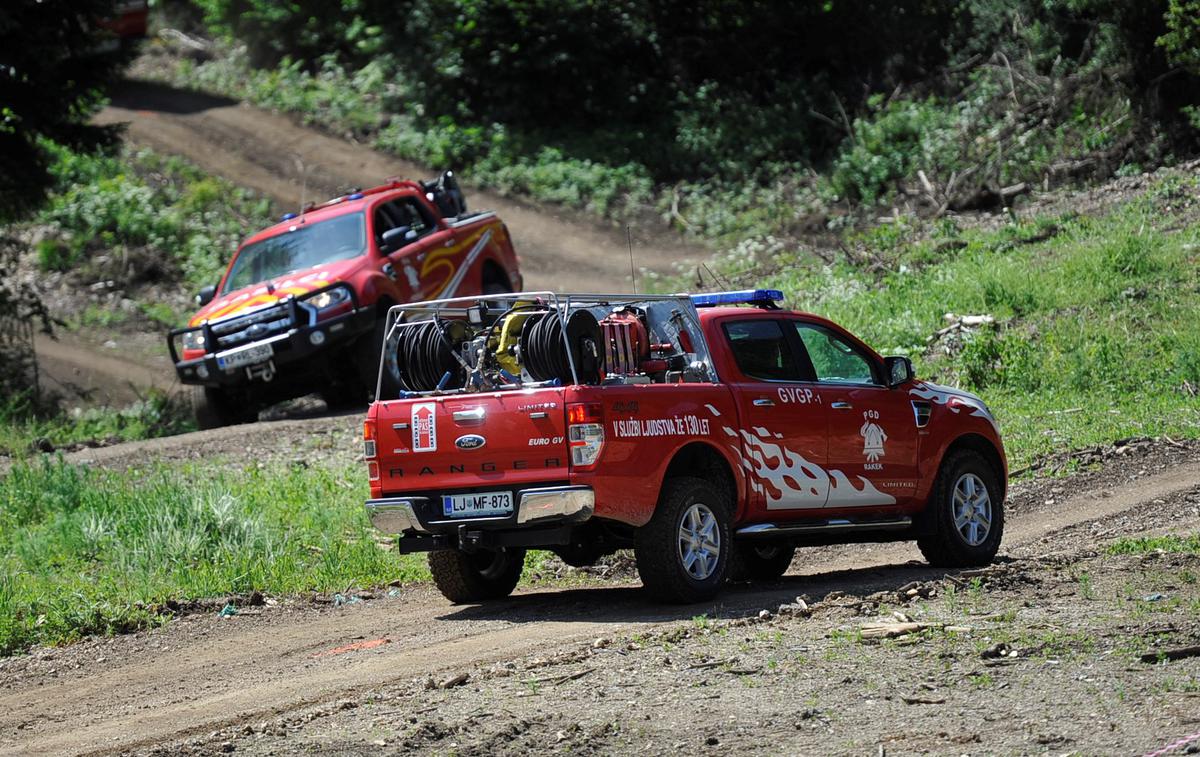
[{"x": 1179, "y": 653}]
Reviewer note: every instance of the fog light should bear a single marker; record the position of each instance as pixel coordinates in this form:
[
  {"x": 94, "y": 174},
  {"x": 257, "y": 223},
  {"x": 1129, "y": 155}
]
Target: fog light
[
  {"x": 202, "y": 371},
  {"x": 317, "y": 338}
]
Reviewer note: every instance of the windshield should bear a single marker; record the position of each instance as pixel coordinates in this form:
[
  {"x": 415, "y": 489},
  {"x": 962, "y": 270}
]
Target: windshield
[{"x": 303, "y": 246}]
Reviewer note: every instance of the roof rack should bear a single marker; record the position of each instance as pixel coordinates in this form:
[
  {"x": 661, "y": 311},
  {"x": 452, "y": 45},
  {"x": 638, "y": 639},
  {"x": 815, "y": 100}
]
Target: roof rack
[{"x": 762, "y": 298}]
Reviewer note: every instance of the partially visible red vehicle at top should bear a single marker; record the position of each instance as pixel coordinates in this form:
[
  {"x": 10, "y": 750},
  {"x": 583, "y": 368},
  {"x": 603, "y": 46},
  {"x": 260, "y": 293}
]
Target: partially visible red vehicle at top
[
  {"x": 711, "y": 433},
  {"x": 302, "y": 305}
]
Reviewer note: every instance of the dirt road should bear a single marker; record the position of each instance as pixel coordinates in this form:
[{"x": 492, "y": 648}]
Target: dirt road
[
  {"x": 202, "y": 675},
  {"x": 271, "y": 154}
]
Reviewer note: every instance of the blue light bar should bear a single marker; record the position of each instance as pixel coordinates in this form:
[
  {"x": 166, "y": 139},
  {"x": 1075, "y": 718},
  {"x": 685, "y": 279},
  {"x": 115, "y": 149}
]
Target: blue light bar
[
  {"x": 355, "y": 196},
  {"x": 760, "y": 297},
  {"x": 287, "y": 216}
]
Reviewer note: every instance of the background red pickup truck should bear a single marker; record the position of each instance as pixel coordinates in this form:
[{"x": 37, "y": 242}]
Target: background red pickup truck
[
  {"x": 302, "y": 305},
  {"x": 712, "y": 438}
]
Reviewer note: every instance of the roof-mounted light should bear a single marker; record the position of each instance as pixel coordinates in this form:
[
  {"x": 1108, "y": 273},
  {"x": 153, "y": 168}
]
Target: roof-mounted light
[
  {"x": 287, "y": 216},
  {"x": 355, "y": 196},
  {"x": 763, "y": 298}
]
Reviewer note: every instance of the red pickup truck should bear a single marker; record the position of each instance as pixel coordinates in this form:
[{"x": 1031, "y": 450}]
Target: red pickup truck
[
  {"x": 711, "y": 433},
  {"x": 302, "y": 306}
]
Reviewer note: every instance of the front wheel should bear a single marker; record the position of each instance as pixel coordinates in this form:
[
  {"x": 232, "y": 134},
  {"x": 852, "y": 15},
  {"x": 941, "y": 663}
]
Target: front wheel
[
  {"x": 213, "y": 408},
  {"x": 477, "y": 576},
  {"x": 967, "y": 513},
  {"x": 683, "y": 552}
]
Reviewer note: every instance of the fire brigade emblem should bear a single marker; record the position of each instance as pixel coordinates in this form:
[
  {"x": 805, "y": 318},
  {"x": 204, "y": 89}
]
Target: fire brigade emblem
[{"x": 873, "y": 437}]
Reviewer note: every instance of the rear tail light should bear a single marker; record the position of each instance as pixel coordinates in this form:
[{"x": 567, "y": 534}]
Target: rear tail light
[
  {"x": 585, "y": 433},
  {"x": 369, "y": 440}
]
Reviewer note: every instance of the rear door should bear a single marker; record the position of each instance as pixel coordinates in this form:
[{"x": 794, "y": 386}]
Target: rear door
[
  {"x": 782, "y": 418},
  {"x": 872, "y": 452},
  {"x": 480, "y": 441}
]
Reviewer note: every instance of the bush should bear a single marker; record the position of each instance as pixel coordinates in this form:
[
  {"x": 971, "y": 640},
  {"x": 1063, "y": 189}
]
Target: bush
[{"x": 160, "y": 216}]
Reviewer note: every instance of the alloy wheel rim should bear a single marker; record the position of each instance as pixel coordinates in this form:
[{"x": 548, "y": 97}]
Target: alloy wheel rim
[
  {"x": 972, "y": 509},
  {"x": 699, "y": 541}
]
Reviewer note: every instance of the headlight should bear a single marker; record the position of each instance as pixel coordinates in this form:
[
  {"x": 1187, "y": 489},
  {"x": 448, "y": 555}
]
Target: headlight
[
  {"x": 329, "y": 298},
  {"x": 193, "y": 340}
]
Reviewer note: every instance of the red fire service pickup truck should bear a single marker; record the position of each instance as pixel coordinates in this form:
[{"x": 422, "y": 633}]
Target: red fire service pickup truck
[
  {"x": 303, "y": 303},
  {"x": 712, "y": 433}
]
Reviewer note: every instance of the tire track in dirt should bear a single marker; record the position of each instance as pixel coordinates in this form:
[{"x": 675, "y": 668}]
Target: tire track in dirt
[
  {"x": 259, "y": 150},
  {"x": 203, "y": 673}
]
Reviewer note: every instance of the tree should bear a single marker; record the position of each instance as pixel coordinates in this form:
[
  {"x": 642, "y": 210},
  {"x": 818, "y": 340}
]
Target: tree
[{"x": 56, "y": 61}]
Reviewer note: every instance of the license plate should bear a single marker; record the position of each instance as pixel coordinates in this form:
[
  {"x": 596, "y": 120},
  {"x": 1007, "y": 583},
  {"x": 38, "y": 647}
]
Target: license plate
[
  {"x": 478, "y": 505},
  {"x": 248, "y": 355}
]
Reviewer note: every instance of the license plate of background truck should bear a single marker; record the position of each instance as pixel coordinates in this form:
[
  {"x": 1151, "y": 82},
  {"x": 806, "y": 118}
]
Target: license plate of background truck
[
  {"x": 249, "y": 355},
  {"x": 477, "y": 505}
]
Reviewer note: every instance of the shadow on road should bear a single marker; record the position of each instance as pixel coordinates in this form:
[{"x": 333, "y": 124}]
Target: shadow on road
[
  {"x": 137, "y": 94},
  {"x": 627, "y": 604}
]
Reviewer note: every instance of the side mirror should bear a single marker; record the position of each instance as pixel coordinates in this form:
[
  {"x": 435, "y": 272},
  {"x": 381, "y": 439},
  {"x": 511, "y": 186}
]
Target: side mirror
[
  {"x": 394, "y": 239},
  {"x": 899, "y": 370},
  {"x": 206, "y": 295}
]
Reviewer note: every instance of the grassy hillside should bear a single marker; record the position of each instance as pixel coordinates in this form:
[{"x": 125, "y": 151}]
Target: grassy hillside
[{"x": 1097, "y": 317}]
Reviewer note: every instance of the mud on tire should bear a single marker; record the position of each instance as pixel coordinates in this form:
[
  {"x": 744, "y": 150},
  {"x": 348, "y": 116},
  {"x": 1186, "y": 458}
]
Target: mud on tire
[
  {"x": 683, "y": 552},
  {"x": 965, "y": 512},
  {"x": 476, "y": 577}
]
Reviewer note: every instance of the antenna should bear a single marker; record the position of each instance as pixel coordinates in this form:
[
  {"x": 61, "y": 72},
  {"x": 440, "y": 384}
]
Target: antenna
[
  {"x": 303, "y": 184},
  {"x": 632, "y": 270}
]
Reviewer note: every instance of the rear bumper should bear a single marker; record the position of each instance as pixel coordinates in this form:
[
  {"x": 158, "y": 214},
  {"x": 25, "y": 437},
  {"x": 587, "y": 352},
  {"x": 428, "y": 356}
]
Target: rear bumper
[{"x": 543, "y": 517}]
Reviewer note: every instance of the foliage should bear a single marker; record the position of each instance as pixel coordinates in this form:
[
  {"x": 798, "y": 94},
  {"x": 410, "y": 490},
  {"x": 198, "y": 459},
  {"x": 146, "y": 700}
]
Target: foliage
[
  {"x": 144, "y": 216},
  {"x": 53, "y": 71},
  {"x": 92, "y": 552},
  {"x": 1096, "y": 316}
]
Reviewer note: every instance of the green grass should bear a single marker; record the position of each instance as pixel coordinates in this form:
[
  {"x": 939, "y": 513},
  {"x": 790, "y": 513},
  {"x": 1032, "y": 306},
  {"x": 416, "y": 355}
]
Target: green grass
[
  {"x": 24, "y": 421},
  {"x": 1097, "y": 333},
  {"x": 1170, "y": 543},
  {"x": 97, "y": 552}
]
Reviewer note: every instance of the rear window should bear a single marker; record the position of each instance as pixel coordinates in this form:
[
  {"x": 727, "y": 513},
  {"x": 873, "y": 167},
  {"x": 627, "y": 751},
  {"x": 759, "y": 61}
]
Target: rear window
[{"x": 761, "y": 351}]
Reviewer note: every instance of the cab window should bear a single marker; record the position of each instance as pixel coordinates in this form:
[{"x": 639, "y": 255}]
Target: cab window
[
  {"x": 761, "y": 350},
  {"x": 405, "y": 211},
  {"x": 834, "y": 359}
]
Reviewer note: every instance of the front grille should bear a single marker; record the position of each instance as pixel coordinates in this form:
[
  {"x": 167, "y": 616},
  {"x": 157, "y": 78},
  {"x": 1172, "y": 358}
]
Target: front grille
[{"x": 252, "y": 327}]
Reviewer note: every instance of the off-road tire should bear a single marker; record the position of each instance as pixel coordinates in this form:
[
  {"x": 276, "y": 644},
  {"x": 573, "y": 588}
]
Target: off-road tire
[
  {"x": 760, "y": 562},
  {"x": 212, "y": 408},
  {"x": 367, "y": 358},
  {"x": 657, "y": 546},
  {"x": 476, "y": 577},
  {"x": 496, "y": 285},
  {"x": 945, "y": 546}
]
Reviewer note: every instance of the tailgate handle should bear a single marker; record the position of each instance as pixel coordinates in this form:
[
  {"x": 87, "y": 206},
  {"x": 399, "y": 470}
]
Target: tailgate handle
[
  {"x": 474, "y": 415},
  {"x": 539, "y": 415}
]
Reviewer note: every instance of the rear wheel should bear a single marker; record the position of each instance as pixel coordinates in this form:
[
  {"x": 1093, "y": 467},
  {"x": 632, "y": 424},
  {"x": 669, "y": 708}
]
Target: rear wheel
[
  {"x": 477, "y": 576},
  {"x": 967, "y": 513},
  {"x": 760, "y": 562},
  {"x": 494, "y": 281},
  {"x": 213, "y": 408},
  {"x": 683, "y": 552}
]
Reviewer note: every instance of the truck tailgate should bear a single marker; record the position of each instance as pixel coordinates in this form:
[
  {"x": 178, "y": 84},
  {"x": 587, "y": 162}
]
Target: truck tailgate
[{"x": 503, "y": 439}]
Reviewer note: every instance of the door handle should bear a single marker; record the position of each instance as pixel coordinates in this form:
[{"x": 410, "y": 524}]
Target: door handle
[
  {"x": 764, "y": 403},
  {"x": 841, "y": 406},
  {"x": 449, "y": 242}
]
